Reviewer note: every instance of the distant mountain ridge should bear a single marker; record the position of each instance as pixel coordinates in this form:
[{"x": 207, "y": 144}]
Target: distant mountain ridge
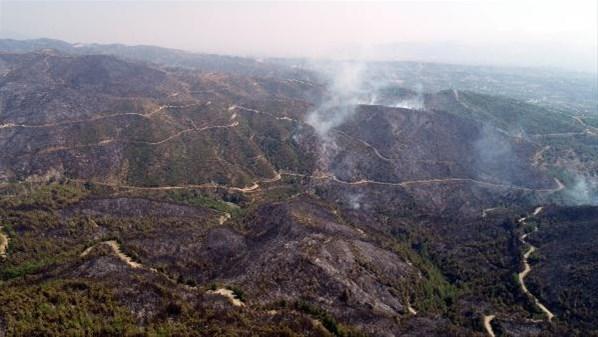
[{"x": 157, "y": 55}]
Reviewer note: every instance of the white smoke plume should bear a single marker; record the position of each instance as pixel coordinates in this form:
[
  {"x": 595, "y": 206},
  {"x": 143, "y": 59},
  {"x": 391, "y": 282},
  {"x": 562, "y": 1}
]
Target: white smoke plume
[
  {"x": 413, "y": 103},
  {"x": 345, "y": 91},
  {"x": 389, "y": 90},
  {"x": 349, "y": 84},
  {"x": 355, "y": 200},
  {"x": 583, "y": 191}
]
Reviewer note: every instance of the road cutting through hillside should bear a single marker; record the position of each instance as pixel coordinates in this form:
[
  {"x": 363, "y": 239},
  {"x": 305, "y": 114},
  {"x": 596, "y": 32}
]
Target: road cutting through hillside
[
  {"x": 166, "y": 107},
  {"x": 94, "y": 119},
  {"x": 159, "y": 109},
  {"x": 589, "y": 129},
  {"x": 79, "y": 121},
  {"x": 242, "y": 108},
  {"x": 167, "y": 139},
  {"x": 411, "y": 310},
  {"x": 180, "y": 133},
  {"x": 563, "y": 134},
  {"x": 538, "y": 156},
  {"x": 115, "y": 247},
  {"x": 227, "y": 293},
  {"x": 559, "y": 187},
  {"x": 487, "y": 319},
  {"x": 117, "y": 251},
  {"x": 464, "y": 104},
  {"x": 255, "y": 186},
  {"x": 224, "y": 218},
  {"x": 538, "y": 210},
  {"x": 527, "y": 268},
  {"x": 368, "y": 145},
  {"x": 3, "y": 243},
  {"x": 485, "y": 211},
  {"x": 488, "y": 324}
]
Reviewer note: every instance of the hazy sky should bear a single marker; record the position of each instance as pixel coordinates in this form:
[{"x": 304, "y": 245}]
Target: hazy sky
[{"x": 541, "y": 33}]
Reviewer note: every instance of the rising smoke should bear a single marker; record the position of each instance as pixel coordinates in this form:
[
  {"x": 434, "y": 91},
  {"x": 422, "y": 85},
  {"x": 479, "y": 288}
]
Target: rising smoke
[
  {"x": 350, "y": 84},
  {"x": 345, "y": 92},
  {"x": 354, "y": 200},
  {"x": 494, "y": 155},
  {"x": 582, "y": 191}
]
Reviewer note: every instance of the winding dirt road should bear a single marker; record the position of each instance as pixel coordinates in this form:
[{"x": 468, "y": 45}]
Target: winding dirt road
[
  {"x": 368, "y": 145},
  {"x": 117, "y": 251},
  {"x": 167, "y": 139},
  {"x": 488, "y": 324},
  {"x": 485, "y": 211},
  {"x": 589, "y": 129},
  {"x": 229, "y": 294},
  {"x": 559, "y": 187},
  {"x": 538, "y": 210},
  {"x": 256, "y": 186},
  {"x": 3, "y": 243},
  {"x": 97, "y": 118},
  {"x": 487, "y": 319},
  {"x": 527, "y": 268},
  {"x": 224, "y": 218},
  {"x": 561, "y": 134},
  {"x": 411, "y": 310},
  {"x": 538, "y": 156},
  {"x": 248, "y": 189},
  {"x": 182, "y": 132},
  {"x": 407, "y": 183},
  {"x": 242, "y": 108}
]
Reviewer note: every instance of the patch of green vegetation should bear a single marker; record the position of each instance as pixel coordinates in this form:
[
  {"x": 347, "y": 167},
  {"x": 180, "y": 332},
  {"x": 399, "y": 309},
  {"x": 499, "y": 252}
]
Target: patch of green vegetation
[
  {"x": 84, "y": 307},
  {"x": 535, "y": 258},
  {"x": 282, "y": 192},
  {"x": 89, "y": 134},
  {"x": 140, "y": 158},
  {"x": 52, "y": 195},
  {"x": 64, "y": 308},
  {"x": 275, "y": 140},
  {"x": 26, "y": 268},
  {"x": 195, "y": 198},
  {"x": 327, "y": 320},
  {"x": 28, "y": 254},
  {"x": 31, "y": 249},
  {"x": 433, "y": 293},
  {"x": 238, "y": 292}
]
